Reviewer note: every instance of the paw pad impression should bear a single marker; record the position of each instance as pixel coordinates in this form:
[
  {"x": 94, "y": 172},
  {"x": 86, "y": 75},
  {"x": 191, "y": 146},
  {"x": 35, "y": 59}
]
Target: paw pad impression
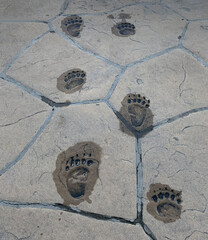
[
  {"x": 77, "y": 172},
  {"x": 164, "y": 203},
  {"x": 72, "y": 25},
  {"x": 135, "y": 109},
  {"x": 71, "y": 81},
  {"x": 123, "y": 29}
]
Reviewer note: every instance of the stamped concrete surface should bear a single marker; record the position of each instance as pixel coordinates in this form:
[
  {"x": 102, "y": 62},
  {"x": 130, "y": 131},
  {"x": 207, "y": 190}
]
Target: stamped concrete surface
[
  {"x": 49, "y": 224},
  {"x": 196, "y": 38},
  {"x": 32, "y": 181},
  {"x": 174, "y": 82},
  {"x": 99, "y": 6},
  {"x": 176, "y": 154},
  {"x": 104, "y": 119},
  {"x": 156, "y": 28},
  {"x": 24, "y": 9},
  {"x": 190, "y": 9},
  {"x": 13, "y": 39},
  {"x": 18, "y": 122},
  {"x": 51, "y": 56}
]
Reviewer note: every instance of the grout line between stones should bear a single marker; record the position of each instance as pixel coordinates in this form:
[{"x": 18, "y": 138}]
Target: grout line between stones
[
  {"x": 148, "y": 231},
  {"x": 88, "y": 102},
  {"x": 27, "y": 147},
  {"x": 183, "y": 33},
  {"x": 22, "y": 20},
  {"x": 195, "y": 56},
  {"x": 62, "y": 35},
  {"x": 62, "y": 207},
  {"x": 48, "y": 119},
  {"x": 139, "y": 172},
  {"x": 64, "y": 6},
  {"x": 152, "y": 56},
  {"x": 179, "y": 116},
  {"x": 23, "y": 50},
  {"x": 21, "y": 86},
  {"x": 119, "y": 116},
  {"x": 198, "y": 20},
  {"x": 172, "y": 10},
  {"x": 115, "y": 83}
]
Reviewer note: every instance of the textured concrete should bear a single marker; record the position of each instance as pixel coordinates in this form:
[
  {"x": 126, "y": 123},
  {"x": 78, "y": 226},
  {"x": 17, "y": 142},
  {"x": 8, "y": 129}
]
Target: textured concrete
[
  {"x": 18, "y": 123},
  {"x": 48, "y": 224},
  {"x": 13, "y": 39},
  {"x": 157, "y": 28},
  {"x": 174, "y": 82},
  {"x": 176, "y": 154},
  {"x": 196, "y": 38},
  {"x": 31, "y": 180},
  {"x": 24, "y": 9},
  {"x": 103, "y": 119},
  {"x": 41, "y": 65}
]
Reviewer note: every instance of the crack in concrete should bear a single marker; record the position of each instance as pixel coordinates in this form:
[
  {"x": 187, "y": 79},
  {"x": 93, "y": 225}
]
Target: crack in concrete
[
  {"x": 27, "y": 147},
  {"x": 23, "y": 50},
  {"x": 19, "y": 120},
  {"x": 106, "y": 100},
  {"x": 194, "y": 232}
]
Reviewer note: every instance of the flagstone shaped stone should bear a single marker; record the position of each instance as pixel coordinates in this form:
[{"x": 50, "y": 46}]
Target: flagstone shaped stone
[
  {"x": 24, "y": 9},
  {"x": 99, "y": 6},
  {"x": 155, "y": 29},
  {"x": 114, "y": 194},
  {"x": 196, "y": 39},
  {"x": 42, "y": 223},
  {"x": 51, "y": 56},
  {"x": 21, "y": 116},
  {"x": 190, "y": 9},
  {"x": 13, "y": 38},
  {"x": 174, "y": 82},
  {"x": 176, "y": 154}
]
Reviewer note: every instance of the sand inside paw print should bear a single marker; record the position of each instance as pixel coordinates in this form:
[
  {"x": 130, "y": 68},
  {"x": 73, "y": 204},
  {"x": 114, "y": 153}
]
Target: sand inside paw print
[
  {"x": 135, "y": 110},
  {"x": 71, "y": 81},
  {"x": 164, "y": 203},
  {"x": 77, "y": 172},
  {"x": 123, "y": 29},
  {"x": 72, "y": 25}
]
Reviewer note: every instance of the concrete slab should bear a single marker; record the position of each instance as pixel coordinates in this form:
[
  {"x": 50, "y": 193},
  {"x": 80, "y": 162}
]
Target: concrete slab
[
  {"x": 174, "y": 82},
  {"x": 13, "y": 38},
  {"x": 176, "y": 154},
  {"x": 156, "y": 28},
  {"x": 18, "y": 123},
  {"x": 114, "y": 194},
  {"x": 51, "y": 56}
]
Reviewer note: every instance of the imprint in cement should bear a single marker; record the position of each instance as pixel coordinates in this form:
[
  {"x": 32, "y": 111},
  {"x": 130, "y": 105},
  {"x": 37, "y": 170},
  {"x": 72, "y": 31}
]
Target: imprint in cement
[
  {"x": 123, "y": 29},
  {"x": 71, "y": 81},
  {"x": 77, "y": 172},
  {"x": 135, "y": 109},
  {"x": 72, "y": 25},
  {"x": 164, "y": 203}
]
